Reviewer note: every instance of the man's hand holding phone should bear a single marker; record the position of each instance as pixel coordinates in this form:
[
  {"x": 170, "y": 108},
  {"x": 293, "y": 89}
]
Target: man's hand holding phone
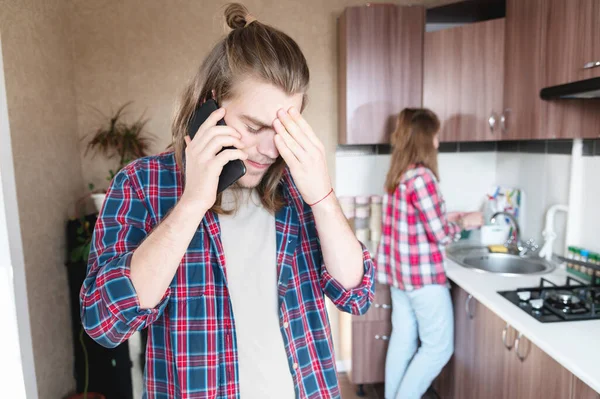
[{"x": 204, "y": 159}]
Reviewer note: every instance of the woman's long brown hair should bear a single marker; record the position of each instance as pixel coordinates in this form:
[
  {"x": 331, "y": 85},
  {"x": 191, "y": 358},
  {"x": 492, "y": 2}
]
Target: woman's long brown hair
[
  {"x": 412, "y": 143},
  {"x": 251, "y": 49}
]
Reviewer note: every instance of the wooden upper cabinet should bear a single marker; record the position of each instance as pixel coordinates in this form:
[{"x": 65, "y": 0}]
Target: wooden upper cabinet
[
  {"x": 593, "y": 38},
  {"x": 463, "y": 80},
  {"x": 572, "y": 48},
  {"x": 568, "y": 43},
  {"x": 380, "y": 69},
  {"x": 524, "y": 69},
  {"x": 569, "y": 46}
]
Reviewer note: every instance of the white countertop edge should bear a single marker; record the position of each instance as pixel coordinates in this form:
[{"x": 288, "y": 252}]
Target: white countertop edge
[{"x": 527, "y": 325}]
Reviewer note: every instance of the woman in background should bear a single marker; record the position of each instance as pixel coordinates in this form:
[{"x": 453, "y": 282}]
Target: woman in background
[{"x": 411, "y": 257}]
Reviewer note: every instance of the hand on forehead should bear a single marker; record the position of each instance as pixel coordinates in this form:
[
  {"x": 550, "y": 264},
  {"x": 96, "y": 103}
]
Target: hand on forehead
[{"x": 260, "y": 101}]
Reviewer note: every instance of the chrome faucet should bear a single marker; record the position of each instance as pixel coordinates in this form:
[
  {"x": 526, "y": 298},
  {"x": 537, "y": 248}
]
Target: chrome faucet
[{"x": 514, "y": 243}]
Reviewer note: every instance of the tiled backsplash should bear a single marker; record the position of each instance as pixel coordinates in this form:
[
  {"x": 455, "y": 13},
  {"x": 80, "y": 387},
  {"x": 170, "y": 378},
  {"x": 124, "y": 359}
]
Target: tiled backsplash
[
  {"x": 541, "y": 169},
  {"x": 545, "y": 180},
  {"x": 464, "y": 177}
]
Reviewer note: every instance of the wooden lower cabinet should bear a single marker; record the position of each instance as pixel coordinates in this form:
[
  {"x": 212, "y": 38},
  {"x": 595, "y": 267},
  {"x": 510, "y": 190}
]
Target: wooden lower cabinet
[
  {"x": 369, "y": 347},
  {"x": 370, "y": 337},
  {"x": 485, "y": 363},
  {"x": 580, "y": 390},
  {"x": 537, "y": 375}
]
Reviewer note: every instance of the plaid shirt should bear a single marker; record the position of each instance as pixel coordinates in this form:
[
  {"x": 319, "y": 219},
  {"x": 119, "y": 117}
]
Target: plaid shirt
[
  {"x": 192, "y": 349},
  {"x": 414, "y": 233}
]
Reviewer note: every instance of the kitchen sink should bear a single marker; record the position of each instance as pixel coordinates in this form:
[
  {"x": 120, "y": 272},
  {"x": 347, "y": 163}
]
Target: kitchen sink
[{"x": 480, "y": 259}]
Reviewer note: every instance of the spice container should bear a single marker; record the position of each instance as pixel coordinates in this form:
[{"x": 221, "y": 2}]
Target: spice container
[
  {"x": 595, "y": 260},
  {"x": 363, "y": 202},
  {"x": 576, "y": 256},
  {"x": 375, "y": 219},
  {"x": 583, "y": 257},
  {"x": 361, "y": 220},
  {"x": 571, "y": 255}
]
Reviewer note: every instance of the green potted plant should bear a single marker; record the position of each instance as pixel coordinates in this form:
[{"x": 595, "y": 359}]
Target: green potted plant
[{"x": 117, "y": 139}]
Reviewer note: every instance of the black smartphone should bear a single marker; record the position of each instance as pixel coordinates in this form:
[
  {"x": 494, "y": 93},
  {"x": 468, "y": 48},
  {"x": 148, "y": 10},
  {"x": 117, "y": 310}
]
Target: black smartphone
[{"x": 233, "y": 170}]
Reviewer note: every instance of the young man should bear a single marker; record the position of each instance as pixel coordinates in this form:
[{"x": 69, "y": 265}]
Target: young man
[{"x": 231, "y": 286}]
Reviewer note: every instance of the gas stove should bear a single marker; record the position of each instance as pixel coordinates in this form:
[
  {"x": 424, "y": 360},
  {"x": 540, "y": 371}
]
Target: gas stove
[{"x": 550, "y": 302}]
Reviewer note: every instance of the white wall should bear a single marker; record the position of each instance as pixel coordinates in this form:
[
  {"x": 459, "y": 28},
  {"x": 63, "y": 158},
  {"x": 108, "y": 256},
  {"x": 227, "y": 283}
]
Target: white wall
[
  {"x": 465, "y": 177},
  {"x": 17, "y": 372},
  {"x": 590, "y": 228}
]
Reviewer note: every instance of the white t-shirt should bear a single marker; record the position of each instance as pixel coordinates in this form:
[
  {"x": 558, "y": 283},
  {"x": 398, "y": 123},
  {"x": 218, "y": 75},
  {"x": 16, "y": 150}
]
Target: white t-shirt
[{"x": 249, "y": 243}]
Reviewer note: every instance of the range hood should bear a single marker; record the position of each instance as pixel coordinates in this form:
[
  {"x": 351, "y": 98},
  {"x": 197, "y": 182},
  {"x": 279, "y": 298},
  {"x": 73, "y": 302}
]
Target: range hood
[{"x": 589, "y": 88}]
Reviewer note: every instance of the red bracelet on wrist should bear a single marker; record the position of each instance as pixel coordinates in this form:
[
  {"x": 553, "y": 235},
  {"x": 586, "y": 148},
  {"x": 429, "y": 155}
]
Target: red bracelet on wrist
[{"x": 328, "y": 194}]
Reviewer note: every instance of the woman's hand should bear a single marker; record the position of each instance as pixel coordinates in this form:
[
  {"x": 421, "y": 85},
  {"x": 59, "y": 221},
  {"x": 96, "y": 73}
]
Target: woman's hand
[
  {"x": 471, "y": 221},
  {"x": 304, "y": 154},
  {"x": 454, "y": 216}
]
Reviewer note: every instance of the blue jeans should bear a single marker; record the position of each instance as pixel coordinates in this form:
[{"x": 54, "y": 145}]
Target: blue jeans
[{"x": 423, "y": 315}]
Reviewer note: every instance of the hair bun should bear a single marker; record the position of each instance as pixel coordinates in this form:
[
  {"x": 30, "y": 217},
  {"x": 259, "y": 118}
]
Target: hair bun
[{"x": 237, "y": 16}]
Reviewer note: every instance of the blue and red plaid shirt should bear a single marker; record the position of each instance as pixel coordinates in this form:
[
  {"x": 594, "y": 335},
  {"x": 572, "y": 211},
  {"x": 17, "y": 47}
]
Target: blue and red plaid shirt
[{"x": 192, "y": 350}]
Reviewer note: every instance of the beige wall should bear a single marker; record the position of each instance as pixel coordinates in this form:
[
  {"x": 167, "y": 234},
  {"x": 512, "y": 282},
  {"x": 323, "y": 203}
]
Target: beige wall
[
  {"x": 145, "y": 51},
  {"x": 36, "y": 40}
]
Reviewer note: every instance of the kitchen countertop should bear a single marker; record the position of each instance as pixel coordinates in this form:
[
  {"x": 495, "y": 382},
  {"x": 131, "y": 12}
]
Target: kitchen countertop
[{"x": 575, "y": 344}]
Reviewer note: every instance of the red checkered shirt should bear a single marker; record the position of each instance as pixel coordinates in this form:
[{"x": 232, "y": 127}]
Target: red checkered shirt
[{"x": 414, "y": 233}]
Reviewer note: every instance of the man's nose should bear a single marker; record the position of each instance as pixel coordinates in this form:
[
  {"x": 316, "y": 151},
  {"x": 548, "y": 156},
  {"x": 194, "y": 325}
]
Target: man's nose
[{"x": 266, "y": 145}]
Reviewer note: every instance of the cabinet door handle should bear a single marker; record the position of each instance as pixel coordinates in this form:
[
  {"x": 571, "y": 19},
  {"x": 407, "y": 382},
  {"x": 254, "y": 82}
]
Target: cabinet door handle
[
  {"x": 593, "y": 64},
  {"x": 492, "y": 121},
  {"x": 504, "y": 334},
  {"x": 470, "y": 315},
  {"x": 382, "y": 337},
  {"x": 503, "y": 118},
  {"x": 383, "y": 306},
  {"x": 517, "y": 351}
]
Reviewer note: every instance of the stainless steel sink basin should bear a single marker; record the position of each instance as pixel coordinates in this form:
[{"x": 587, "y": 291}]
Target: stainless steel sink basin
[{"x": 479, "y": 258}]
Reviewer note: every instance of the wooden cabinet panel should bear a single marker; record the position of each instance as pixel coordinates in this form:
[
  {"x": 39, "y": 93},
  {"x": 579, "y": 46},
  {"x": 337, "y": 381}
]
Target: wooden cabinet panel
[
  {"x": 369, "y": 348},
  {"x": 593, "y": 38},
  {"x": 538, "y": 376},
  {"x": 569, "y": 42},
  {"x": 580, "y": 390},
  {"x": 380, "y": 69},
  {"x": 457, "y": 378},
  {"x": 440, "y": 79},
  {"x": 524, "y": 69},
  {"x": 381, "y": 308},
  {"x": 463, "y": 79},
  {"x": 492, "y": 352}
]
